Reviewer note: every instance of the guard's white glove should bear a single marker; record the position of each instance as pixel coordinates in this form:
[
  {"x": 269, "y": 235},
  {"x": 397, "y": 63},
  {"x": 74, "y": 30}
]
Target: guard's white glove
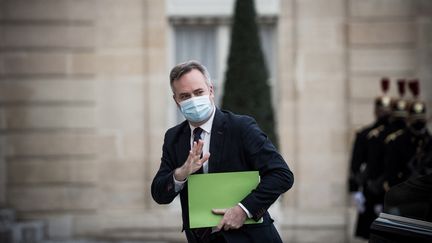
[
  {"x": 359, "y": 201},
  {"x": 378, "y": 208}
]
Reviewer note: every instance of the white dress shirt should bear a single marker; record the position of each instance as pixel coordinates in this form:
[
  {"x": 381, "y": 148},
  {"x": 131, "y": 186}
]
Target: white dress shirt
[{"x": 205, "y": 136}]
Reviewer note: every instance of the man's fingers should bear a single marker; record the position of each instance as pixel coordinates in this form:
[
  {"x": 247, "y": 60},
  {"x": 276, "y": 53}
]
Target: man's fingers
[
  {"x": 194, "y": 160},
  {"x": 205, "y": 157},
  {"x": 192, "y": 157},
  {"x": 219, "y": 211},
  {"x": 226, "y": 227},
  {"x": 220, "y": 225},
  {"x": 197, "y": 147}
]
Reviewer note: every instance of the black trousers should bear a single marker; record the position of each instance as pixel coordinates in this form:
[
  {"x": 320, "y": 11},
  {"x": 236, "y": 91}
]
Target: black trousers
[{"x": 216, "y": 237}]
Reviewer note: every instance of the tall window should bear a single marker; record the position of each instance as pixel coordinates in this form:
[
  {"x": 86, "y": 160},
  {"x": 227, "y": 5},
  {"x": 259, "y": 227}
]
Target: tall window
[
  {"x": 197, "y": 42},
  {"x": 268, "y": 45}
]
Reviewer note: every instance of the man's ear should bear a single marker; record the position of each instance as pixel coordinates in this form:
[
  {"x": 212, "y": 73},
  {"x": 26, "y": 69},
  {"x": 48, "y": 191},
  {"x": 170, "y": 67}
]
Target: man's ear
[{"x": 211, "y": 90}]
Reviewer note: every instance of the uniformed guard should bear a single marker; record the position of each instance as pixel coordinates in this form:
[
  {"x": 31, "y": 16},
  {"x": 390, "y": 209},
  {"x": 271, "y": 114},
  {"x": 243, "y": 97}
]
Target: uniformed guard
[
  {"x": 397, "y": 124},
  {"x": 409, "y": 156},
  {"x": 362, "y": 163},
  {"x": 408, "y": 151},
  {"x": 421, "y": 163}
]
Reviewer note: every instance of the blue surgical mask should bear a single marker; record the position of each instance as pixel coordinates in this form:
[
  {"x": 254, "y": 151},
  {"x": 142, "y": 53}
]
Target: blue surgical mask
[{"x": 197, "y": 109}]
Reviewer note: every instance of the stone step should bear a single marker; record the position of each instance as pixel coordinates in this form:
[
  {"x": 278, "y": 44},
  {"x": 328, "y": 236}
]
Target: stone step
[
  {"x": 24, "y": 232},
  {"x": 145, "y": 235},
  {"x": 7, "y": 217}
]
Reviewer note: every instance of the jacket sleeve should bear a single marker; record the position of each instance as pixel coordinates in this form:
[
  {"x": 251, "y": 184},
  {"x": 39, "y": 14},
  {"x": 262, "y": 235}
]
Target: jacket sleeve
[
  {"x": 276, "y": 177},
  {"x": 163, "y": 187}
]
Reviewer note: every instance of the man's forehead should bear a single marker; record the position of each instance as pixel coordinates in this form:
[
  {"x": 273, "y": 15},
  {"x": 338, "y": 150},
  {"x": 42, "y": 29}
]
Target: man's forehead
[
  {"x": 187, "y": 91},
  {"x": 189, "y": 85}
]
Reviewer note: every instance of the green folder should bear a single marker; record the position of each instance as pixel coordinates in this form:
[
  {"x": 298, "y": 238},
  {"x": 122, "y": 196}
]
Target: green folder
[{"x": 217, "y": 190}]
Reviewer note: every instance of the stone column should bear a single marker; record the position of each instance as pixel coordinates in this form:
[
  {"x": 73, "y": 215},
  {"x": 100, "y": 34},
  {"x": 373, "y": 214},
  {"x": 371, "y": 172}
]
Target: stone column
[
  {"x": 382, "y": 42},
  {"x": 287, "y": 92},
  {"x": 313, "y": 123},
  {"x": 424, "y": 51},
  {"x": 47, "y": 102},
  {"x": 3, "y": 174}
]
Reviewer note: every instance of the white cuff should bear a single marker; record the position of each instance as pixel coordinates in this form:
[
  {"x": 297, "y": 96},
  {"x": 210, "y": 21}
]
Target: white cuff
[
  {"x": 178, "y": 185},
  {"x": 245, "y": 210}
]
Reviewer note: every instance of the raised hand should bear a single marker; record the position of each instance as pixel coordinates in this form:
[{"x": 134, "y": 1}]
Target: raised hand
[{"x": 193, "y": 162}]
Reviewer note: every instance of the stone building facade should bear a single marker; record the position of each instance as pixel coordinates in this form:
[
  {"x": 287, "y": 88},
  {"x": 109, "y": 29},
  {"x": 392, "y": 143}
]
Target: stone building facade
[{"x": 85, "y": 101}]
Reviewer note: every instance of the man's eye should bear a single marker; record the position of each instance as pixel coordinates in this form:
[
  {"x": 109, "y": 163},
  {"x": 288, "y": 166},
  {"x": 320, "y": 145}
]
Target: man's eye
[{"x": 184, "y": 97}]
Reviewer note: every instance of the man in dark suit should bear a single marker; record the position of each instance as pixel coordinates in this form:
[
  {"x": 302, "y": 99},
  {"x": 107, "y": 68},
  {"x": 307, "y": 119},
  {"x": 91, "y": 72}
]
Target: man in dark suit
[{"x": 211, "y": 141}]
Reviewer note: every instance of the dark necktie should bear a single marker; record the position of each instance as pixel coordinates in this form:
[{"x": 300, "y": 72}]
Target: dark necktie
[
  {"x": 203, "y": 233},
  {"x": 197, "y": 134}
]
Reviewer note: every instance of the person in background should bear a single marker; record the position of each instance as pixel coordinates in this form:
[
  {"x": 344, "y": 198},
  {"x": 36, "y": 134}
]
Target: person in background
[
  {"x": 409, "y": 165},
  {"x": 408, "y": 149},
  {"x": 375, "y": 171},
  {"x": 374, "y": 189},
  {"x": 364, "y": 165}
]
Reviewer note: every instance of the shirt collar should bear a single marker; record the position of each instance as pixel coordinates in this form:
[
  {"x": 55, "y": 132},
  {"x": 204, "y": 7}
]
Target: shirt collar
[{"x": 208, "y": 124}]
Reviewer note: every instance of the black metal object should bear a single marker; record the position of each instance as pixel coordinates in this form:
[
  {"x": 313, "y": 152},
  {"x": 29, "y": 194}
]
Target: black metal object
[{"x": 389, "y": 228}]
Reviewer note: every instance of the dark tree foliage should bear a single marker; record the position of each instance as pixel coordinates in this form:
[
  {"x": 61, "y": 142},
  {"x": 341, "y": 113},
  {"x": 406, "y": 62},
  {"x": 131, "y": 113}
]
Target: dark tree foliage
[{"x": 246, "y": 89}]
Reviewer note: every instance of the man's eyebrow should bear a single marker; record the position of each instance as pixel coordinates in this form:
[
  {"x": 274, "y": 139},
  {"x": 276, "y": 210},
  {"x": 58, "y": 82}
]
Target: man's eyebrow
[
  {"x": 184, "y": 93},
  {"x": 193, "y": 91}
]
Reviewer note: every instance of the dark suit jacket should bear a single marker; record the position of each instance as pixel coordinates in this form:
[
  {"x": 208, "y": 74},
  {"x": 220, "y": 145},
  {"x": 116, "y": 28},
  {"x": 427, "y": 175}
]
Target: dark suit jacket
[{"x": 237, "y": 144}]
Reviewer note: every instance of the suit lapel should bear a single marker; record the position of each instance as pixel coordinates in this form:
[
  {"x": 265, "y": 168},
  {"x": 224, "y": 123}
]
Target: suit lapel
[
  {"x": 217, "y": 141},
  {"x": 183, "y": 145}
]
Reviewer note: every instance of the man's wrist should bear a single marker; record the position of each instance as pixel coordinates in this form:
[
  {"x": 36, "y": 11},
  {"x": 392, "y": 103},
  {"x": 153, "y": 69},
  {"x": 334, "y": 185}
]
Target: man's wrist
[
  {"x": 248, "y": 214},
  {"x": 179, "y": 174},
  {"x": 178, "y": 185}
]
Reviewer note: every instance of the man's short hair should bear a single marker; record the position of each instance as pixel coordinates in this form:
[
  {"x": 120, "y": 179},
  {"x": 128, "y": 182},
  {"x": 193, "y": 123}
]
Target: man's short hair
[{"x": 182, "y": 68}]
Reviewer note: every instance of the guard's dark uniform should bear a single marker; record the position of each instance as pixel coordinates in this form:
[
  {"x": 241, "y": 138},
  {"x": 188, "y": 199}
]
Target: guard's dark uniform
[
  {"x": 409, "y": 156},
  {"x": 365, "y": 164},
  {"x": 407, "y": 153},
  {"x": 373, "y": 176},
  {"x": 360, "y": 154}
]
